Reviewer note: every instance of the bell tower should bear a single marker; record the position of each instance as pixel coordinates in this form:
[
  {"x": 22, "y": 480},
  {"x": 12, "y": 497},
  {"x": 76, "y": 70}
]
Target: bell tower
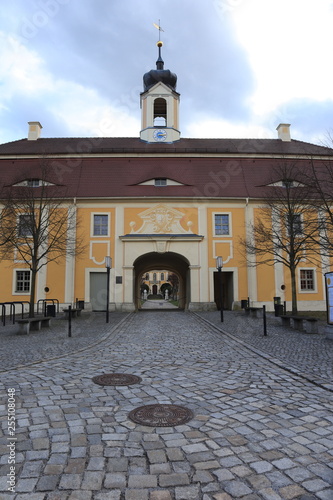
[{"x": 159, "y": 104}]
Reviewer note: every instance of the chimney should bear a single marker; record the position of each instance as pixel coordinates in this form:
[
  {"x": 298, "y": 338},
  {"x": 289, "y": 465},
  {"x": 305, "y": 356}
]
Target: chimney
[
  {"x": 284, "y": 132},
  {"x": 35, "y": 129}
]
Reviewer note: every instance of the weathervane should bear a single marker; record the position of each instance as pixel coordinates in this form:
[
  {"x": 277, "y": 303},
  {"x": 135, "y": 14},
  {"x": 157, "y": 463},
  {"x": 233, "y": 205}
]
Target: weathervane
[{"x": 158, "y": 26}]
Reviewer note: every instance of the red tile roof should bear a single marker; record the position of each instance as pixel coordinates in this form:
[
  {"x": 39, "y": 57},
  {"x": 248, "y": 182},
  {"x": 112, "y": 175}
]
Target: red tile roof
[
  {"x": 95, "y": 145},
  {"x": 109, "y": 176}
]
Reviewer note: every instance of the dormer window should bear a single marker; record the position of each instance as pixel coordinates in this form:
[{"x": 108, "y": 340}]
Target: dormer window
[
  {"x": 287, "y": 183},
  {"x": 161, "y": 181},
  {"x": 33, "y": 182}
]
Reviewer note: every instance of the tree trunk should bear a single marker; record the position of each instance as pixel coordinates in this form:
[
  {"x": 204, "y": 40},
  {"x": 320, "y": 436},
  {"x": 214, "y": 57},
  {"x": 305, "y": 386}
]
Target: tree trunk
[
  {"x": 293, "y": 290},
  {"x": 32, "y": 293}
]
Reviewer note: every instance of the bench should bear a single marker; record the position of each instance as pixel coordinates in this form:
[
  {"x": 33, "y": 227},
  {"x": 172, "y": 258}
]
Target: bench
[
  {"x": 27, "y": 324},
  {"x": 252, "y": 311},
  {"x": 299, "y": 321},
  {"x": 311, "y": 325},
  {"x": 285, "y": 320},
  {"x": 74, "y": 312}
]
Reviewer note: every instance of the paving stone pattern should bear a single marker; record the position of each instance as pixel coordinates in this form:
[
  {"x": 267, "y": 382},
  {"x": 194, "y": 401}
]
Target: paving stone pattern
[
  {"x": 89, "y": 328},
  {"x": 310, "y": 355},
  {"x": 259, "y": 431}
]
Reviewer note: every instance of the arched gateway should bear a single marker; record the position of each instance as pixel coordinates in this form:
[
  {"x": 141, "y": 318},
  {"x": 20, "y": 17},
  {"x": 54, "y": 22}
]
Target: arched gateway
[
  {"x": 178, "y": 253},
  {"x": 169, "y": 261}
]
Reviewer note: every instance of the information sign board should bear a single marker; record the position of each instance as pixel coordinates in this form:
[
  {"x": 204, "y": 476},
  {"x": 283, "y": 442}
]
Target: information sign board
[{"x": 329, "y": 297}]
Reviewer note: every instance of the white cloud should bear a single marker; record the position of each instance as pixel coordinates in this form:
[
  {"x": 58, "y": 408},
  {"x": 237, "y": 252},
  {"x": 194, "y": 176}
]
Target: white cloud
[
  {"x": 288, "y": 45},
  {"x": 207, "y": 128},
  {"x": 21, "y": 70},
  {"x": 83, "y": 112},
  {"x": 80, "y": 110}
]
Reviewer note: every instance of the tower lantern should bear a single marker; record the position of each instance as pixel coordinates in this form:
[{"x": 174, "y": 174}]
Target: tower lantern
[{"x": 160, "y": 104}]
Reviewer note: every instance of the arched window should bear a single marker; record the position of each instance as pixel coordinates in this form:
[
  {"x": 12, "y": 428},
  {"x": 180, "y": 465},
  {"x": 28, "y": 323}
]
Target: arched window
[
  {"x": 154, "y": 277},
  {"x": 162, "y": 276},
  {"x": 160, "y": 112}
]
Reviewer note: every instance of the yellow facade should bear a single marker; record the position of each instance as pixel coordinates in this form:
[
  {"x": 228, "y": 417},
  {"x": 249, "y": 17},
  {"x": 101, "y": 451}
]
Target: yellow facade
[
  {"x": 180, "y": 237},
  {"x": 174, "y": 234}
]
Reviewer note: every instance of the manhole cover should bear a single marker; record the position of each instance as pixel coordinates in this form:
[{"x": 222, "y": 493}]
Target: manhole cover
[
  {"x": 161, "y": 415},
  {"x": 116, "y": 379}
]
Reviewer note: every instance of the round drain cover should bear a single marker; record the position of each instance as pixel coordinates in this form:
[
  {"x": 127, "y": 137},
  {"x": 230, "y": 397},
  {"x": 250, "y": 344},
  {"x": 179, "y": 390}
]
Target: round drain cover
[
  {"x": 116, "y": 379},
  {"x": 161, "y": 415}
]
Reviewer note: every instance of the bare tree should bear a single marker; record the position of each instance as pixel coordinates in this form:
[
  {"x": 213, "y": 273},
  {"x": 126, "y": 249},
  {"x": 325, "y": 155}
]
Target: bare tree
[
  {"x": 4, "y": 238},
  {"x": 286, "y": 230},
  {"x": 320, "y": 177},
  {"x": 38, "y": 224},
  {"x": 173, "y": 279}
]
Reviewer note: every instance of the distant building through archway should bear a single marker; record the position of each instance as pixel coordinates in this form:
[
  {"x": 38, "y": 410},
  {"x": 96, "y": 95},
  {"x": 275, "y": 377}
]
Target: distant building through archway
[{"x": 154, "y": 265}]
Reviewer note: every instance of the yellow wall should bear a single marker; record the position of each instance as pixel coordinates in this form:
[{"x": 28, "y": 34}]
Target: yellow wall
[
  {"x": 55, "y": 280},
  {"x": 7, "y": 277},
  {"x": 129, "y": 219},
  {"x": 97, "y": 247},
  {"x": 228, "y": 246}
]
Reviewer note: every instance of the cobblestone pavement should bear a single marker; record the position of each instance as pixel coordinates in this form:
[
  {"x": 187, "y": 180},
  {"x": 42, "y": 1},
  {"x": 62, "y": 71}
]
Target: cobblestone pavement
[
  {"x": 259, "y": 431},
  {"x": 88, "y": 329},
  {"x": 308, "y": 355},
  {"x": 158, "y": 304}
]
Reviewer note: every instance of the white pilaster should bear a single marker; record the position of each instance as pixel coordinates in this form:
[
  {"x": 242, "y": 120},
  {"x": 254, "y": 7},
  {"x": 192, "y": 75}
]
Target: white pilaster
[
  {"x": 251, "y": 271},
  {"x": 70, "y": 258}
]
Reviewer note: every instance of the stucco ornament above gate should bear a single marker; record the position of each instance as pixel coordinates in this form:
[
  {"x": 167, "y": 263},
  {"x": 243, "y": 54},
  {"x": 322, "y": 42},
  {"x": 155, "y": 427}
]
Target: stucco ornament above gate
[{"x": 161, "y": 220}]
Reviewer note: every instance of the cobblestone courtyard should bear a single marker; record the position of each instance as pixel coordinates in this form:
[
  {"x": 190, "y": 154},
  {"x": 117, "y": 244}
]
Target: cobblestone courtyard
[{"x": 263, "y": 415}]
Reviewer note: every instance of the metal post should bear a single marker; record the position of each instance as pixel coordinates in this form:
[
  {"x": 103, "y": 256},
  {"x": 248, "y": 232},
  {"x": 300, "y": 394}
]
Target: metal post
[
  {"x": 219, "y": 265},
  {"x": 108, "y": 263},
  {"x": 264, "y": 318},
  {"x": 221, "y": 295},
  {"x": 69, "y": 321},
  {"x": 107, "y": 294}
]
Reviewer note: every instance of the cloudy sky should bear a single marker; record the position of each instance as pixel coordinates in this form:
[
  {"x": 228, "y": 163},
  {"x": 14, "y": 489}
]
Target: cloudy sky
[{"x": 243, "y": 66}]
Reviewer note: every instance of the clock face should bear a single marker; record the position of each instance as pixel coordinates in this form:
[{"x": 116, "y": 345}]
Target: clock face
[{"x": 160, "y": 134}]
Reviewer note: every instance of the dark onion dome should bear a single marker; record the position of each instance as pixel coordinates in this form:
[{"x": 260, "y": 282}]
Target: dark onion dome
[{"x": 159, "y": 74}]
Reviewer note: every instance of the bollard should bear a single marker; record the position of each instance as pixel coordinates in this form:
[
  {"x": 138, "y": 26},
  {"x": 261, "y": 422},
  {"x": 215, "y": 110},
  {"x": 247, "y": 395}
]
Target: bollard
[
  {"x": 69, "y": 321},
  {"x": 264, "y": 318}
]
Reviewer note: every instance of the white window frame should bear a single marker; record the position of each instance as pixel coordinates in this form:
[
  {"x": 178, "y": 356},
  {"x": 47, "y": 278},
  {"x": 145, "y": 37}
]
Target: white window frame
[
  {"x": 165, "y": 183},
  {"x": 34, "y": 183},
  {"x": 108, "y": 215},
  {"x": 19, "y": 226},
  {"x": 314, "y": 290},
  {"x": 296, "y": 233},
  {"x": 230, "y": 224},
  {"x": 15, "y": 291}
]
